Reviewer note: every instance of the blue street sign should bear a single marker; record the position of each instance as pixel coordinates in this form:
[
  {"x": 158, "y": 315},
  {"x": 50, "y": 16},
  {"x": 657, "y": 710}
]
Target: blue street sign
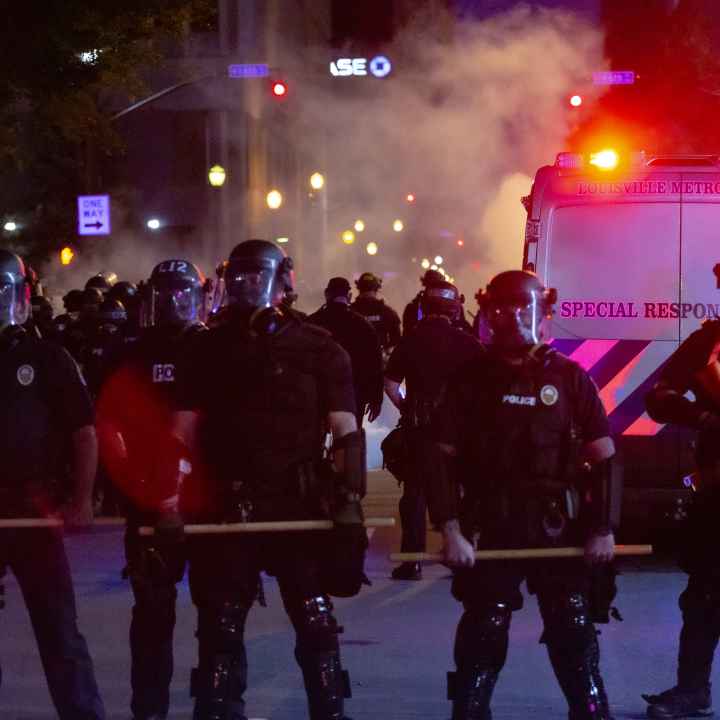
[
  {"x": 93, "y": 214},
  {"x": 254, "y": 70},
  {"x": 614, "y": 77}
]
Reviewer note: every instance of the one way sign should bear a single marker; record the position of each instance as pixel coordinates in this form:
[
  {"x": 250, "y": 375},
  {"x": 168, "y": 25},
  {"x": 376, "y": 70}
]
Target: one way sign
[{"x": 93, "y": 214}]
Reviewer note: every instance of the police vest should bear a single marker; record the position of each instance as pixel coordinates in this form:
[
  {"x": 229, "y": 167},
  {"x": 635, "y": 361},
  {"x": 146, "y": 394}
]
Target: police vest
[
  {"x": 31, "y": 441},
  {"x": 522, "y": 431},
  {"x": 270, "y": 418}
]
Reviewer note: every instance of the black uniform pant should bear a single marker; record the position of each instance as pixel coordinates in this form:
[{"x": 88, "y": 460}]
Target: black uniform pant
[
  {"x": 490, "y": 592},
  {"x": 154, "y": 571},
  {"x": 224, "y": 578},
  {"x": 37, "y": 559},
  {"x": 416, "y": 478},
  {"x": 700, "y": 601}
]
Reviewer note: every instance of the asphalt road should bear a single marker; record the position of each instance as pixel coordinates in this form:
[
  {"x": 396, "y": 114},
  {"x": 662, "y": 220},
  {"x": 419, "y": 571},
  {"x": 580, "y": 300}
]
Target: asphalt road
[{"x": 397, "y": 642}]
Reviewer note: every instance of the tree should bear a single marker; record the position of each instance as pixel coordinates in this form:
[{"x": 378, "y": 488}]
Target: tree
[{"x": 65, "y": 66}]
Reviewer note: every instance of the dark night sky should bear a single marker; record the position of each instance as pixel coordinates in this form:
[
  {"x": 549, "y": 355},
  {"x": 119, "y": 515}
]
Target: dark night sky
[{"x": 371, "y": 21}]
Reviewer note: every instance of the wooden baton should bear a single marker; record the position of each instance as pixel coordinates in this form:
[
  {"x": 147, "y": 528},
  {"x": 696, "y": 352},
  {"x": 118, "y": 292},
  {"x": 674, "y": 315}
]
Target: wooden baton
[
  {"x": 522, "y": 553},
  {"x": 10, "y": 523},
  {"x": 275, "y": 526}
]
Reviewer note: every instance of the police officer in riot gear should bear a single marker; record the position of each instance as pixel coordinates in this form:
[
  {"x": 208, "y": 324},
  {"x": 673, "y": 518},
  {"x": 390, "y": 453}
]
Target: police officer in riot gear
[
  {"x": 530, "y": 447},
  {"x": 266, "y": 387},
  {"x": 694, "y": 366},
  {"x": 412, "y": 313},
  {"x": 425, "y": 359},
  {"x": 45, "y": 415},
  {"x": 134, "y": 412},
  {"x": 127, "y": 293},
  {"x": 373, "y": 308},
  {"x": 354, "y": 333}
]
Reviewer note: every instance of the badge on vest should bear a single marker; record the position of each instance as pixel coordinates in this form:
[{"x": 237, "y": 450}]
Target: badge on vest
[
  {"x": 25, "y": 375},
  {"x": 549, "y": 395},
  {"x": 163, "y": 372}
]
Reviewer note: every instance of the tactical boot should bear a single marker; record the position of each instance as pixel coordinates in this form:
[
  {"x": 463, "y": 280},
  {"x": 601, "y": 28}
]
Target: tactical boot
[
  {"x": 678, "y": 703},
  {"x": 326, "y": 684},
  {"x": 471, "y": 694},
  {"x": 407, "y": 571}
]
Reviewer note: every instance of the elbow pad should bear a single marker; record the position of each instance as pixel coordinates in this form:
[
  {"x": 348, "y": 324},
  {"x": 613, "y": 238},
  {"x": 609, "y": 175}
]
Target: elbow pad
[
  {"x": 352, "y": 479},
  {"x": 665, "y": 405},
  {"x": 604, "y": 488}
]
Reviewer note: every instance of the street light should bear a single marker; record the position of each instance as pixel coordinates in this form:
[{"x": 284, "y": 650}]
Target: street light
[
  {"x": 274, "y": 199},
  {"x": 359, "y": 226},
  {"x": 153, "y": 224},
  {"x": 348, "y": 237},
  {"x": 398, "y": 226},
  {"x": 217, "y": 175},
  {"x": 410, "y": 197},
  {"x": 576, "y": 100},
  {"x": 438, "y": 260},
  {"x": 371, "y": 248},
  {"x": 282, "y": 240},
  {"x": 10, "y": 226},
  {"x": 317, "y": 181},
  {"x": 425, "y": 263}
]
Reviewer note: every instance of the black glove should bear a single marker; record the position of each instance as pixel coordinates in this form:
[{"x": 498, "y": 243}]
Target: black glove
[{"x": 344, "y": 566}]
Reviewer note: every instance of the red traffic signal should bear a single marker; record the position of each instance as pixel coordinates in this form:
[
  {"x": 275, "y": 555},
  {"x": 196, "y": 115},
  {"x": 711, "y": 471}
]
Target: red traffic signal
[{"x": 279, "y": 89}]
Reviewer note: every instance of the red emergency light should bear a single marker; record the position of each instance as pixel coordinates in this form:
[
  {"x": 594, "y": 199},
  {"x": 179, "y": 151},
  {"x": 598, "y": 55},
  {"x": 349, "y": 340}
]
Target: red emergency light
[{"x": 279, "y": 89}]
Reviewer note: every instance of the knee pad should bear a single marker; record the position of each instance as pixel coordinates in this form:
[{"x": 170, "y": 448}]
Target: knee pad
[
  {"x": 315, "y": 625},
  {"x": 222, "y": 623},
  {"x": 482, "y": 636},
  {"x": 567, "y": 621}
]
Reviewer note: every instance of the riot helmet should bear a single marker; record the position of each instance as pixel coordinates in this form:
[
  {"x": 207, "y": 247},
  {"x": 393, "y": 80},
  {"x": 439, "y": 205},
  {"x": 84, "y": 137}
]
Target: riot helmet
[
  {"x": 14, "y": 291},
  {"x": 514, "y": 309},
  {"x": 368, "y": 282},
  {"x": 430, "y": 277},
  {"x": 112, "y": 311},
  {"x": 174, "y": 296},
  {"x": 258, "y": 274},
  {"x": 101, "y": 281},
  {"x": 338, "y": 287},
  {"x": 441, "y": 298},
  {"x": 73, "y": 301},
  {"x": 127, "y": 293}
]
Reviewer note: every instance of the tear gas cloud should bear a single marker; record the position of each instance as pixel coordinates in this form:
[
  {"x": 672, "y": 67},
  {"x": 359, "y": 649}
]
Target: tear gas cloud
[{"x": 462, "y": 125}]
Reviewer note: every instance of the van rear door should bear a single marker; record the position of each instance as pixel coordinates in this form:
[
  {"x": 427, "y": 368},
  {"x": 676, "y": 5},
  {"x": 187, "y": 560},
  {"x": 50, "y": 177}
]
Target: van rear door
[{"x": 700, "y": 249}]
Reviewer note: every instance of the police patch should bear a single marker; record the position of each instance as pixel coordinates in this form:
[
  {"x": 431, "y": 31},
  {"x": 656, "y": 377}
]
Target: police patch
[
  {"x": 25, "y": 375},
  {"x": 549, "y": 395}
]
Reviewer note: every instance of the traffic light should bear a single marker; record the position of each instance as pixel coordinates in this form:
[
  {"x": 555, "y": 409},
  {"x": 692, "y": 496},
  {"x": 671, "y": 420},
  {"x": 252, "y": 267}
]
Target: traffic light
[
  {"x": 279, "y": 89},
  {"x": 67, "y": 255}
]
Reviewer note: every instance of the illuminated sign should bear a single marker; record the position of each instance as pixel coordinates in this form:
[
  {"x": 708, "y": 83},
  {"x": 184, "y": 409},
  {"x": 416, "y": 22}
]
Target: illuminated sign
[
  {"x": 614, "y": 77},
  {"x": 379, "y": 67},
  {"x": 649, "y": 310},
  {"x": 248, "y": 70}
]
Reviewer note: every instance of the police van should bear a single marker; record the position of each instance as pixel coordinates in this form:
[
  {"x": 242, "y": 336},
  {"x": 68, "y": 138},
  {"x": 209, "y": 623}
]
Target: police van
[{"x": 630, "y": 244}]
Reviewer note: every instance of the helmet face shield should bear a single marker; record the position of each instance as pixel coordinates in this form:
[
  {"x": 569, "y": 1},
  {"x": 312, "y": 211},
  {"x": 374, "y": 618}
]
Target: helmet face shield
[
  {"x": 14, "y": 300},
  {"x": 515, "y": 323},
  {"x": 252, "y": 283},
  {"x": 173, "y": 303}
]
